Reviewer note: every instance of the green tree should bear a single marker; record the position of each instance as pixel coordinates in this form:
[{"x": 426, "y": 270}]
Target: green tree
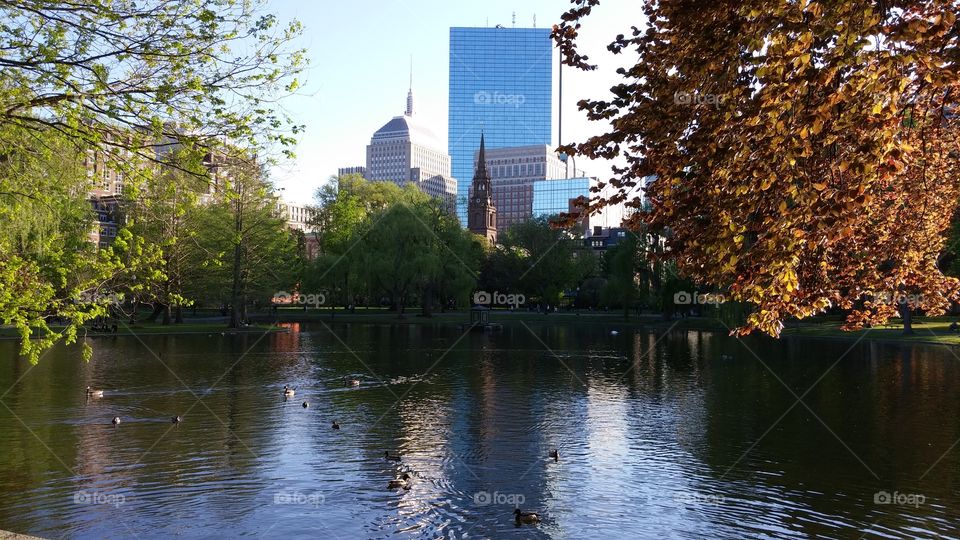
[
  {"x": 622, "y": 264},
  {"x": 128, "y": 81},
  {"x": 164, "y": 209},
  {"x": 127, "y": 76},
  {"x": 550, "y": 259},
  {"x": 52, "y": 278},
  {"x": 343, "y": 215},
  {"x": 256, "y": 254}
]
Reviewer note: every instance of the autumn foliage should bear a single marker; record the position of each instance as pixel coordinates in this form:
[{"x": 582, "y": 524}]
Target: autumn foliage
[{"x": 805, "y": 153}]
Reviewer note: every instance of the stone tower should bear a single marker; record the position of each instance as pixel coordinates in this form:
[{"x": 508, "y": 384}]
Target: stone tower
[{"x": 481, "y": 213}]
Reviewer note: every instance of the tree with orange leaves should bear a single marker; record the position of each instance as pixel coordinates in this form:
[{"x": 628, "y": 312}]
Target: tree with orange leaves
[{"x": 805, "y": 152}]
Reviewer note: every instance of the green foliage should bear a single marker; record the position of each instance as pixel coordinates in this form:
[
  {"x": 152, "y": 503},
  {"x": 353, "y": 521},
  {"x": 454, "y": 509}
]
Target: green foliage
[
  {"x": 378, "y": 240},
  {"x": 49, "y": 270},
  {"x": 539, "y": 261},
  {"x": 122, "y": 75}
]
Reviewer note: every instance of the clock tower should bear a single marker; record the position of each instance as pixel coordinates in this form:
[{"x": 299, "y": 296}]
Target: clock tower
[{"x": 481, "y": 213}]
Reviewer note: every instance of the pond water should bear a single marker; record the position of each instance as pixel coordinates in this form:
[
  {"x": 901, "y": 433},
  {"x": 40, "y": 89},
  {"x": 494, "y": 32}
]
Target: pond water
[{"x": 661, "y": 434}]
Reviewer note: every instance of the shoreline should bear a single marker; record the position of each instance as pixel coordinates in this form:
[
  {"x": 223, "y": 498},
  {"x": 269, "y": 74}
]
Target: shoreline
[{"x": 927, "y": 331}]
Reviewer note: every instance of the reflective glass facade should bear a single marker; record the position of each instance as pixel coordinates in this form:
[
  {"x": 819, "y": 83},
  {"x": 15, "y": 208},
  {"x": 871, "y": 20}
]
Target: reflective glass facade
[
  {"x": 501, "y": 84},
  {"x": 551, "y": 197}
]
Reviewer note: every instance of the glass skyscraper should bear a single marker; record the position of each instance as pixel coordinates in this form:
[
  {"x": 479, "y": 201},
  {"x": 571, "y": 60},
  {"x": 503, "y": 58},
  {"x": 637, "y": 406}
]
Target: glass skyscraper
[
  {"x": 553, "y": 197},
  {"x": 501, "y": 85}
]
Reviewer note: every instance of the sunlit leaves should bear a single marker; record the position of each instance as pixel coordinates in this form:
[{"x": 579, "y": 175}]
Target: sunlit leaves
[{"x": 822, "y": 165}]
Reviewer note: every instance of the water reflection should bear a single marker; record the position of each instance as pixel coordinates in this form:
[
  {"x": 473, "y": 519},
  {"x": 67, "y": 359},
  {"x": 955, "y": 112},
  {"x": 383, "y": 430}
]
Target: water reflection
[{"x": 680, "y": 434}]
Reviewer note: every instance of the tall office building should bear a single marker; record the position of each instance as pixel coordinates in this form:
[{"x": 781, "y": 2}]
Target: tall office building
[
  {"x": 404, "y": 150},
  {"x": 501, "y": 85}
]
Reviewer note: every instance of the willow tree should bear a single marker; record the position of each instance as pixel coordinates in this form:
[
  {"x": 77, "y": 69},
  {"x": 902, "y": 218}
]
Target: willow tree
[
  {"x": 128, "y": 81},
  {"x": 805, "y": 152}
]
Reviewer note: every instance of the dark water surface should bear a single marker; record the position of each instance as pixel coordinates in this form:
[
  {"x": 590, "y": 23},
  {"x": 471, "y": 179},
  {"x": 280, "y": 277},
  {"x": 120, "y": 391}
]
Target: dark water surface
[{"x": 661, "y": 435}]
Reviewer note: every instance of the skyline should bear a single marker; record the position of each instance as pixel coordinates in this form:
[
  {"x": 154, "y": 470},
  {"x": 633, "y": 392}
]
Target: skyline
[{"x": 340, "y": 117}]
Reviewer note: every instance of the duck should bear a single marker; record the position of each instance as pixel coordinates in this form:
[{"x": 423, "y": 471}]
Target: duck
[
  {"x": 288, "y": 392},
  {"x": 388, "y": 457},
  {"x": 555, "y": 454},
  {"x": 353, "y": 382},
  {"x": 116, "y": 420},
  {"x": 176, "y": 419},
  {"x": 402, "y": 482},
  {"x": 614, "y": 333},
  {"x": 335, "y": 425},
  {"x": 726, "y": 357},
  {"x": 94, "y": 393},
  {"x": 305, "y": 405},
  {"x": 526, "y": 517}
]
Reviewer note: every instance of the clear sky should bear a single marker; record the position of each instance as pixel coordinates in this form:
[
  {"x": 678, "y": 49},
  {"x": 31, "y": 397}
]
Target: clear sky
[{"x": 358, "y": 74}]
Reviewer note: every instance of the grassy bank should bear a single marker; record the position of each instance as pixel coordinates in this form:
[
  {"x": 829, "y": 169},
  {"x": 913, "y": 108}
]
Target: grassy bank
[
  {"x": 933, "y": 331},
  {"x": 7, "y": 332}
]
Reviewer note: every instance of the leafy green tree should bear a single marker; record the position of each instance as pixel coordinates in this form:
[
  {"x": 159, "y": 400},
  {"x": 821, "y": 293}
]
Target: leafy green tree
[
  {"x": 122, "y": 76},
  {"x": 164, "y": 209},
  {"x": 622, "y": 264},
  {"x": 450, "y": 273},
  {"x": 551, "y": 259},
  {"x": 256, "y": 255},
  {"x": 128, "y": 81},
  {"x": 343, "y": 215},
  {"x": 53, "y": 279}
]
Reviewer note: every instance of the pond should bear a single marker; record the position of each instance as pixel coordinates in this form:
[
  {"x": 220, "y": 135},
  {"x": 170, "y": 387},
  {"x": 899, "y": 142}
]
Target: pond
[{"x": 682, "y": 434}]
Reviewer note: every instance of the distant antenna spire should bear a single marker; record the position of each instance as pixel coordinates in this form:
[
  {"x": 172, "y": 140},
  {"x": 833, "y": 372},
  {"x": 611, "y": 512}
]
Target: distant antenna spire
[
  {"x": 534, "y": 20},
  {"x": 514, "y": 19},
  {"x": 410, "y": 91}
]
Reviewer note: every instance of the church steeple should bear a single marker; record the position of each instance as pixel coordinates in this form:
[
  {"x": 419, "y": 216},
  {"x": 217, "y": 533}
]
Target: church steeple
[
  {"x": 481, "y": 212},
  {"x": 482, "y": 162}
]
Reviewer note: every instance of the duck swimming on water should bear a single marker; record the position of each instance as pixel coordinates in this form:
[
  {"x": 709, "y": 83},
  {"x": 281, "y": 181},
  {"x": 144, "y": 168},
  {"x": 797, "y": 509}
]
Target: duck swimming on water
[{"x": 526, "y": 517}]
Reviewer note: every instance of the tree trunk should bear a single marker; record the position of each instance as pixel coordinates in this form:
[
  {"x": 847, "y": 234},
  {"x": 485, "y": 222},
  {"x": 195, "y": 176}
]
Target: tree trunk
[
  {"x": 178, "y": 315},
  {"x": 427, "y": 302},
  {"x": 166, "y": 315},
  {"x": 157, "y": 310},
  {"x": 906, "y": 316},
  {"x": 235, "y": 289}
]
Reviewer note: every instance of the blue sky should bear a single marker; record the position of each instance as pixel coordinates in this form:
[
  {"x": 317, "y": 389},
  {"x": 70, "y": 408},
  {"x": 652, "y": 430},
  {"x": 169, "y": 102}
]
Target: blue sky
[{"x": 358, "y": 74}]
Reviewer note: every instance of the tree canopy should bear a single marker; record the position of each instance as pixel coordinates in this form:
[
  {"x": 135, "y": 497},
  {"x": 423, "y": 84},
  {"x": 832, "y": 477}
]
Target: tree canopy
[
  {"x": 805, "y": 153},
  {"x": 146, "y": 89},
  {"x": 131, "y": 77}
]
